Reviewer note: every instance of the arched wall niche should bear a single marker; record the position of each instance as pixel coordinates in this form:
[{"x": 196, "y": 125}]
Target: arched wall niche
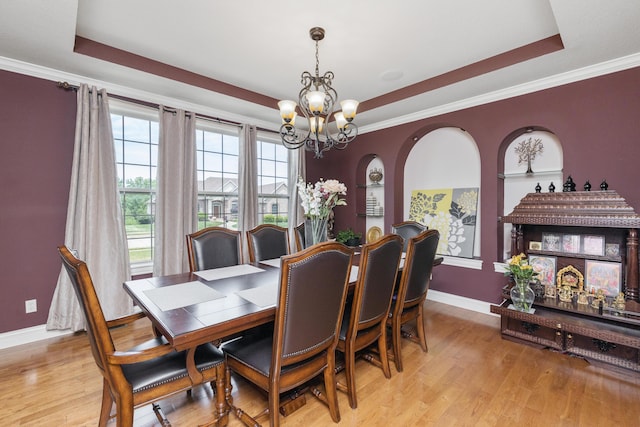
[
  {"x": 446, "y": 158},
  {"x": 398, "y": 208},
  {"x": 513, "y": 180},
  {"x": 361, "y": 194}
]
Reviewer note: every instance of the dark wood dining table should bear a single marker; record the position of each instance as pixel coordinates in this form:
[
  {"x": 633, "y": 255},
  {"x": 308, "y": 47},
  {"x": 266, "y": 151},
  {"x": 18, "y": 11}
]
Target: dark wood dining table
[{"x": 206, "y": 321}]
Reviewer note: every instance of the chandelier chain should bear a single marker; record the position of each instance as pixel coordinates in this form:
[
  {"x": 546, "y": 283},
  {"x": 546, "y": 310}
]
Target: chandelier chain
[{"x": 317, "y": 61}]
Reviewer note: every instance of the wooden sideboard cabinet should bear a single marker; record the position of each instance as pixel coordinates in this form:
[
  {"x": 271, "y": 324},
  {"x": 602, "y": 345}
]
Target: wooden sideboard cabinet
[{"x": 606, "y": 334}]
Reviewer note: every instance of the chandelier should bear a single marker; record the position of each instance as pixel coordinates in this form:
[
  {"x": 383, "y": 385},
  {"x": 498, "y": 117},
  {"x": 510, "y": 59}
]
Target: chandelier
[{"x": 317, "y": 100}]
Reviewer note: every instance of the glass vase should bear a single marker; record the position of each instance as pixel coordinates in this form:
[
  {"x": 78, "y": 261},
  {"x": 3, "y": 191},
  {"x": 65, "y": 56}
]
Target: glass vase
[
  {"x": 522, "y": 295},
  {"x": 315, "y": 231}
]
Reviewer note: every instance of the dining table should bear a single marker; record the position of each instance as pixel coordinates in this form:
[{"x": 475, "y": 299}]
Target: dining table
[{"x": 190, "y": 309}]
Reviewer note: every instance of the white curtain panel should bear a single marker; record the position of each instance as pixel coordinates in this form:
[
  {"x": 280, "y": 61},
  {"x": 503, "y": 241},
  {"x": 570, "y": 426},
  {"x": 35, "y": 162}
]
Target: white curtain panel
[
  {"x": 177, "y": 192},
  {"x": 297, "y": 169},
  {"x": 94, "y": 227},
  {"x": 247, "y": 183}
]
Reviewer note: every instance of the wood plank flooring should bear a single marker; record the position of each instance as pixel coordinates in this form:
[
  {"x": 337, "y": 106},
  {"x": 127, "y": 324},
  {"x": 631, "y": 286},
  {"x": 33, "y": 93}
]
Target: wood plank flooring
[{"x": 469, "y": 377}]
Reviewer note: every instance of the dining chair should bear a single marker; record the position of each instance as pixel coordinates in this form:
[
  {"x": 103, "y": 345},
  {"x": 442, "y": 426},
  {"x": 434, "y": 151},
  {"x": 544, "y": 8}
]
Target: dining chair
[
  {"x": 147, "y": 372},
  {"x": 364, "y": 320},
  {"x": 267, "y": 241},
  {"x": 214, "y": 247},
  {"x": 299, "y": 236},
  {"x": 311, "y": 299},
  {"x": 407, "y": 230},
  {"x": 412, "y": 292}
]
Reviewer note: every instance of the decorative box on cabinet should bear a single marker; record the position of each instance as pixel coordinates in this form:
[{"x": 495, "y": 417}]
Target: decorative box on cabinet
[{"x": 607, "y": 336}]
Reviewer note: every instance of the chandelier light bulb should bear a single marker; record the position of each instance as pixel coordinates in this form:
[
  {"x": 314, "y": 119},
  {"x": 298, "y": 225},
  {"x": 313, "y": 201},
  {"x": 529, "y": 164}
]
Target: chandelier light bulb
[
  {"x": 349, "y": 107},
  {"x": 287, "y": 110},
  {"x": 316, "y": 101},
  {"x": 291, "y": 121},
  {"x": 340, "y": 120},
  {"x": 316, "y": 122}
]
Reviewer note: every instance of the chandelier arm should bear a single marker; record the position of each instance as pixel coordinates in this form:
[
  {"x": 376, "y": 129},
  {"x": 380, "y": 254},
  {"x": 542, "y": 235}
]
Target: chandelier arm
[{"x": 290, "y": 137}]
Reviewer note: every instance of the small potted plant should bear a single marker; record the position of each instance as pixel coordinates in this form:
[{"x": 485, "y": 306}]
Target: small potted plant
[{"x": 349, "y": 237}]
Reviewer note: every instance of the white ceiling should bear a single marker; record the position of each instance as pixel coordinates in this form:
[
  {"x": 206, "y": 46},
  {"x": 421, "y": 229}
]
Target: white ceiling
[{"x": 263, "y": 46}]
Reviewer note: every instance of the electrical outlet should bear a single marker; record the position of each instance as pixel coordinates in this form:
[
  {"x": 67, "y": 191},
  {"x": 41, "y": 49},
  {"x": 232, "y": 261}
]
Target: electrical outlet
[{"x": 31, "y": 306}]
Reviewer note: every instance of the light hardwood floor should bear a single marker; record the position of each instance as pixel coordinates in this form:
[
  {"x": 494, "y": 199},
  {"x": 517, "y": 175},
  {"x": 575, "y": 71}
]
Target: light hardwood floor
[{"x": 469, "y": 377}]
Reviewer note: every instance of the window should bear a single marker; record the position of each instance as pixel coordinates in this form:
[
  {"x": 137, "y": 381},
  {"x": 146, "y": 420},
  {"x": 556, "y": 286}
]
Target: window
[
  {"x": 273, "y": 192},
  {"x": 136, "y": 136},
  {"x": 135, "y": 139},
  {"x": 217, "y": 169}
]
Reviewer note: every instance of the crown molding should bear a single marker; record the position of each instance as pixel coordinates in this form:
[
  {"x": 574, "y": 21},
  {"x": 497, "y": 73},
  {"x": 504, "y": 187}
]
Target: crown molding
[
  {"x": 584, "y": 73},
  {"x": 603, "y": 68},
  {"x": 53, "y": 75}
]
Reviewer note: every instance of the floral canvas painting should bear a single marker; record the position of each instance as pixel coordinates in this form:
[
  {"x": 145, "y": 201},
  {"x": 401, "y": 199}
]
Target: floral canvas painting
[{"x": 451, "y": 211}]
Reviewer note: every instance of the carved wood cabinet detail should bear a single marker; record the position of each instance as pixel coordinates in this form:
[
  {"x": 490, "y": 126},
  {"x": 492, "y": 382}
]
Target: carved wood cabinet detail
[{"x": 600, "y": 335}]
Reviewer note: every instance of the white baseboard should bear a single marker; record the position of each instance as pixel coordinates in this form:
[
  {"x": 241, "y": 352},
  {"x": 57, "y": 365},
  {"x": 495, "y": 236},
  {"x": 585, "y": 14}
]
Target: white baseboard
[
  {"x": 461, "y": 302},
  {"x": 29, "y": 335}
]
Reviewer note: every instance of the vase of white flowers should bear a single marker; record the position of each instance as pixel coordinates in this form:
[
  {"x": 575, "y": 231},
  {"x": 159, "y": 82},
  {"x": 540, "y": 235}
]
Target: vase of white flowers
[{"x": 317, "y": 201}]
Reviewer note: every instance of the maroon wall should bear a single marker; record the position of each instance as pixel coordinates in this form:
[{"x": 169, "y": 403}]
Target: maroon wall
[
  {"x": 37, "y": 122},
  {"x": 597, "y": 122}
]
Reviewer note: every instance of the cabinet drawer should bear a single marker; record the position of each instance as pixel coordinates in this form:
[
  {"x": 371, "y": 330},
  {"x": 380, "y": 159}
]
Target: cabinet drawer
[
  {"x": 533, "y": 332},
  {"x": 601, "y": 350}
]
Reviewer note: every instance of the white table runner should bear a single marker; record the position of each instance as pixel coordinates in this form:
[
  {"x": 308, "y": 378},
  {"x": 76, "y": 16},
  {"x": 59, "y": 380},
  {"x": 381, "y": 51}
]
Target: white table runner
[
  {"x": 225, "y": 272},
  {"x": 182, "y": 295},
  {"x": 262, "y": 296},
  {"x": 274, "y": 262}
]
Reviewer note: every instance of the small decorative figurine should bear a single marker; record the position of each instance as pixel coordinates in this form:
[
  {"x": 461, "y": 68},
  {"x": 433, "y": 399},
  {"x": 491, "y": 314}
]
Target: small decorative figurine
[
  {"x": 603, "y": 185},
  {"x": 375, "y": 175},
  {"x": 550, "y": 291},
  {"x": 527, "y": 151},
  {"x": 552, "y": 188},
  {"x": 538, "y": 188},
  {"x": 582, "y": 298},
  {"x": 619, "y": 303},
  {"x": 565, "y": 293},
  {"x": 599, "y": 297},
  {"x": 587, "y": 186}
]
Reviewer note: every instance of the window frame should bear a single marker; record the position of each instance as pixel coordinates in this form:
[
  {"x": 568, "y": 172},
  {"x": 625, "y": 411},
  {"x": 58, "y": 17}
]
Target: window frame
[
  {"x": 266, "y": 200},
  {"x": 136, "y": 111}
]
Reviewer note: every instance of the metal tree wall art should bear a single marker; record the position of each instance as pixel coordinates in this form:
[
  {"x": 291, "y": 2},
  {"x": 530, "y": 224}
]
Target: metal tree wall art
[{"x": 527, "y": 151}]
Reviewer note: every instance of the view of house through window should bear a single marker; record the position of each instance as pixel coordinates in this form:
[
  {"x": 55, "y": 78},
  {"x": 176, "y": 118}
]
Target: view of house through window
[
  {"x": 135, "y": 136},
  {"x": 217, "y": 170},
  {"x": 273, "y": 193},
  {"x": 136, "y": 149}
]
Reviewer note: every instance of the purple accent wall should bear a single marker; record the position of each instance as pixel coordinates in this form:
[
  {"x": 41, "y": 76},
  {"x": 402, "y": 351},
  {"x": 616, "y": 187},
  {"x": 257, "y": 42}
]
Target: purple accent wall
[
  {"x": 37, "y": 122},
  {"x": 597, "y": 121}
]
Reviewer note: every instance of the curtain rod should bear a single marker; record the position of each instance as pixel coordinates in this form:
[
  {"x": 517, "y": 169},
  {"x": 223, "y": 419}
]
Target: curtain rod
[{"x": 69, "y": 86}]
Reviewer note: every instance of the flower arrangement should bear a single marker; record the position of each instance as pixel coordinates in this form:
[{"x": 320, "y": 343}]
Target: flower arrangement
[
  {"x": 518, "y": 267},
  {"x": 320, "y": 198},
  {"x": 521, "y": 294}
]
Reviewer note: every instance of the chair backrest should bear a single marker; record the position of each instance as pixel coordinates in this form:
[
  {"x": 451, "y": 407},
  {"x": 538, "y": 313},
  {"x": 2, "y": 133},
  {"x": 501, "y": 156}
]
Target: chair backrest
[
  {"x": 407, "y": 230},
  {"x": 416, "y": 273},
  {"x": 214, "y": 247},
  {"x": 97, "y": 330},
  {"x": 267, "y": 241},
  {"x": 299, "y": 236},
  {"x": 379, "y": 263},
  {"x": 313, "y": 291}
]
